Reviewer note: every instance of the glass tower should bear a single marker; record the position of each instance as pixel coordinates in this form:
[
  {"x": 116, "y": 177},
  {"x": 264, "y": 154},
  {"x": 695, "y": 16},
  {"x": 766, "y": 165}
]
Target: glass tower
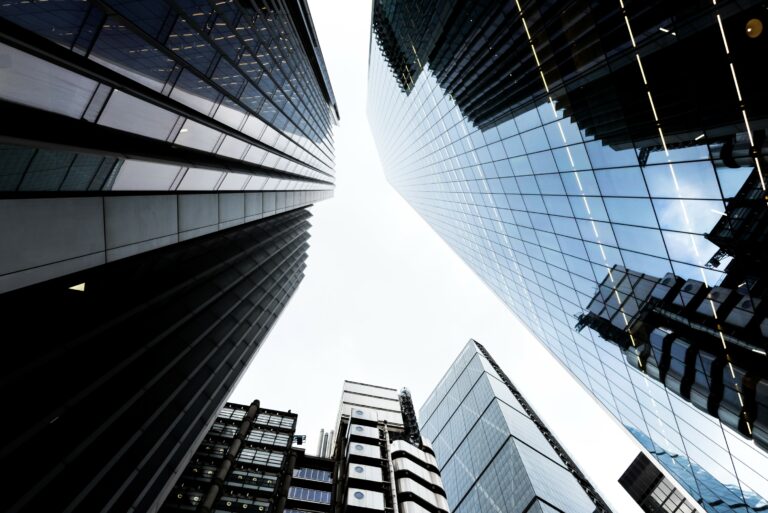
[
  {"x": 494, "y": 452},
  {"x": 156, "y": 164},
  {"x": 600, "y": 166}
]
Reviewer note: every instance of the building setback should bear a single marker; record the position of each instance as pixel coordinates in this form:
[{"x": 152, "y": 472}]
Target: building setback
[
  {"x": 553, "y": 144},
  {"x": 154, "y": 187},
  {"x": 493, "y": 451}
]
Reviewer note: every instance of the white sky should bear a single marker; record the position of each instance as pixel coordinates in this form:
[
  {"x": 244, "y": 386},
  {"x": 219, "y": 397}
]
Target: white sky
[{"x": 386, "y": 301}]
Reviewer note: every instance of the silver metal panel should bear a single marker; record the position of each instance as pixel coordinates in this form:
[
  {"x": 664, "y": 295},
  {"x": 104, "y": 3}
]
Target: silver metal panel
[
  {"x": 407, "y": 485},
  {"x": 401, "y": 445},
  {"x": 366, "y": 431},
  {"x": 366, "y": 499},
  {"x": 366, "y": 472},
  {"x": 401, "y": 464},
  {"x": 367, "y": 450}
]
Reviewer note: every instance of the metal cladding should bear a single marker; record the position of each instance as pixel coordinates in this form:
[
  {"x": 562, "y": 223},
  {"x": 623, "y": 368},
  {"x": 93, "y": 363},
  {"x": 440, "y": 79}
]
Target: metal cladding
[
  {"x": 554, "y": 143},
  {"x": 381, "y": 468}
]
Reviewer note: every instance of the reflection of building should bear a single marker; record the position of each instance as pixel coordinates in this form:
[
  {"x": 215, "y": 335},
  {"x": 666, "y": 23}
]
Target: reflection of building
[
  {"x": 489, "y": 70},
  {"x": 382, "y": 461},
  {"x": 154, "y": 186},
  {"x": 249, "y": 460},
  {"x": 652, "y": 491},
  {"x": 701, "y": 341},
  {"x": 494, "y": 452},
  {"x": 550, "y": 144}
]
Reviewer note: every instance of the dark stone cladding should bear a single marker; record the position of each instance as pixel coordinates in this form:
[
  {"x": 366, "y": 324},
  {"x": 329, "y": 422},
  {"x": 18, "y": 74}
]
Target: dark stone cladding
[{"x": 111, "y": 388}]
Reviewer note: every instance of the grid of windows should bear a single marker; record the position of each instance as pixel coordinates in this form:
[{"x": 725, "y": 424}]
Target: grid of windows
[
  {"x": 251, "y": 479},
  {"x": 261, "y": 457},
  {"x": 309, "y": 495},
  {"x": 541, "y": 208},
  {"x": 259, "y": 436},
  {"x": 313, "y": 474}
]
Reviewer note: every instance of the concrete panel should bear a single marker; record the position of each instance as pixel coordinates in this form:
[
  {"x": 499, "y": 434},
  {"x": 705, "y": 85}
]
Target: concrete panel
[
  {"x": 38, "y": 232},
  {"x": 254, "y": 204},
  {"x": 231, "y": 206},
  {"x": 270, "y": 200},
  {"x": 136, "y": 219},
  {"x": 198, "y": 211},
  {"x": 28, "y": 277}
]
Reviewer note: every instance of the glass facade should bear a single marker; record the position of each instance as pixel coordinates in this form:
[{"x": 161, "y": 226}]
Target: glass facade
[
  {"x": 239, "y": 92},
  {"x": 493, "y": 452},
  {"x": 554, "y": 144},
  {"x": 169, "y": 99}
]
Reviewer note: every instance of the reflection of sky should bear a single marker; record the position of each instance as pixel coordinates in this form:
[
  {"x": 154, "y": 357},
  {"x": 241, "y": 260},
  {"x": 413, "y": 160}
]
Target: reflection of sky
[
  {"x": 710, "y": 490},
  {"x": 542, "y": 212}
]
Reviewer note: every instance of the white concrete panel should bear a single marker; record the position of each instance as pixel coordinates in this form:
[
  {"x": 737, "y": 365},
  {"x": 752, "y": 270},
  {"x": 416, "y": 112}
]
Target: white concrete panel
[
  {"x": 232, "y": 148},
  {"x": 36, "y": 82},
  {"x": 140, "y": 175},
  {"x": 198, "y": 179},
  {"x": 234, "y": 182},
  {"x": 126, "y": 112}
]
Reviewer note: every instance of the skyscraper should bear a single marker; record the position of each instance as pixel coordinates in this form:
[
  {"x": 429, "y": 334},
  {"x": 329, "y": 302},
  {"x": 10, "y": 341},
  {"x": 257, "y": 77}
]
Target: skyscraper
[
  {"x": 493, "y": 451},
  {"x": 382, "y": 461},
  {"x": 551, "y": 144},
  {"x": 154, "y": 185},
  {"x": 249, "y": 460}
]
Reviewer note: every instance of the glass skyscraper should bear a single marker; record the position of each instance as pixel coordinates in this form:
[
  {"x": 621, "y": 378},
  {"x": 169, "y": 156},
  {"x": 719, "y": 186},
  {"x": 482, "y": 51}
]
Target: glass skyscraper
[
  {"x": 157, "y": 159},
  {"x": 600, "y": 166},
  {"x": 494, "y": 452}
]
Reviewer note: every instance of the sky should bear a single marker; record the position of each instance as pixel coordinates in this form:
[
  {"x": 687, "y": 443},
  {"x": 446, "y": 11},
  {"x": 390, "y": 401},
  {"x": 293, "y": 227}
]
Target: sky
[{"x": 386, "y": 301}]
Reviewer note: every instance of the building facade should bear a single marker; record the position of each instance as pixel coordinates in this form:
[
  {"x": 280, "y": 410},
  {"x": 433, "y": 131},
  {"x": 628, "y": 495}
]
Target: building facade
[
  {"x": 154, "y": 186},
  {"x": 249, "y": 461},
  {"x": 202, "y": 104},
  {"x": 652, "y": 491},
  {"x": 382, "y": 461},
  {"x": 550, "y": 144},
  {"x": 493, "y": 451}
]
